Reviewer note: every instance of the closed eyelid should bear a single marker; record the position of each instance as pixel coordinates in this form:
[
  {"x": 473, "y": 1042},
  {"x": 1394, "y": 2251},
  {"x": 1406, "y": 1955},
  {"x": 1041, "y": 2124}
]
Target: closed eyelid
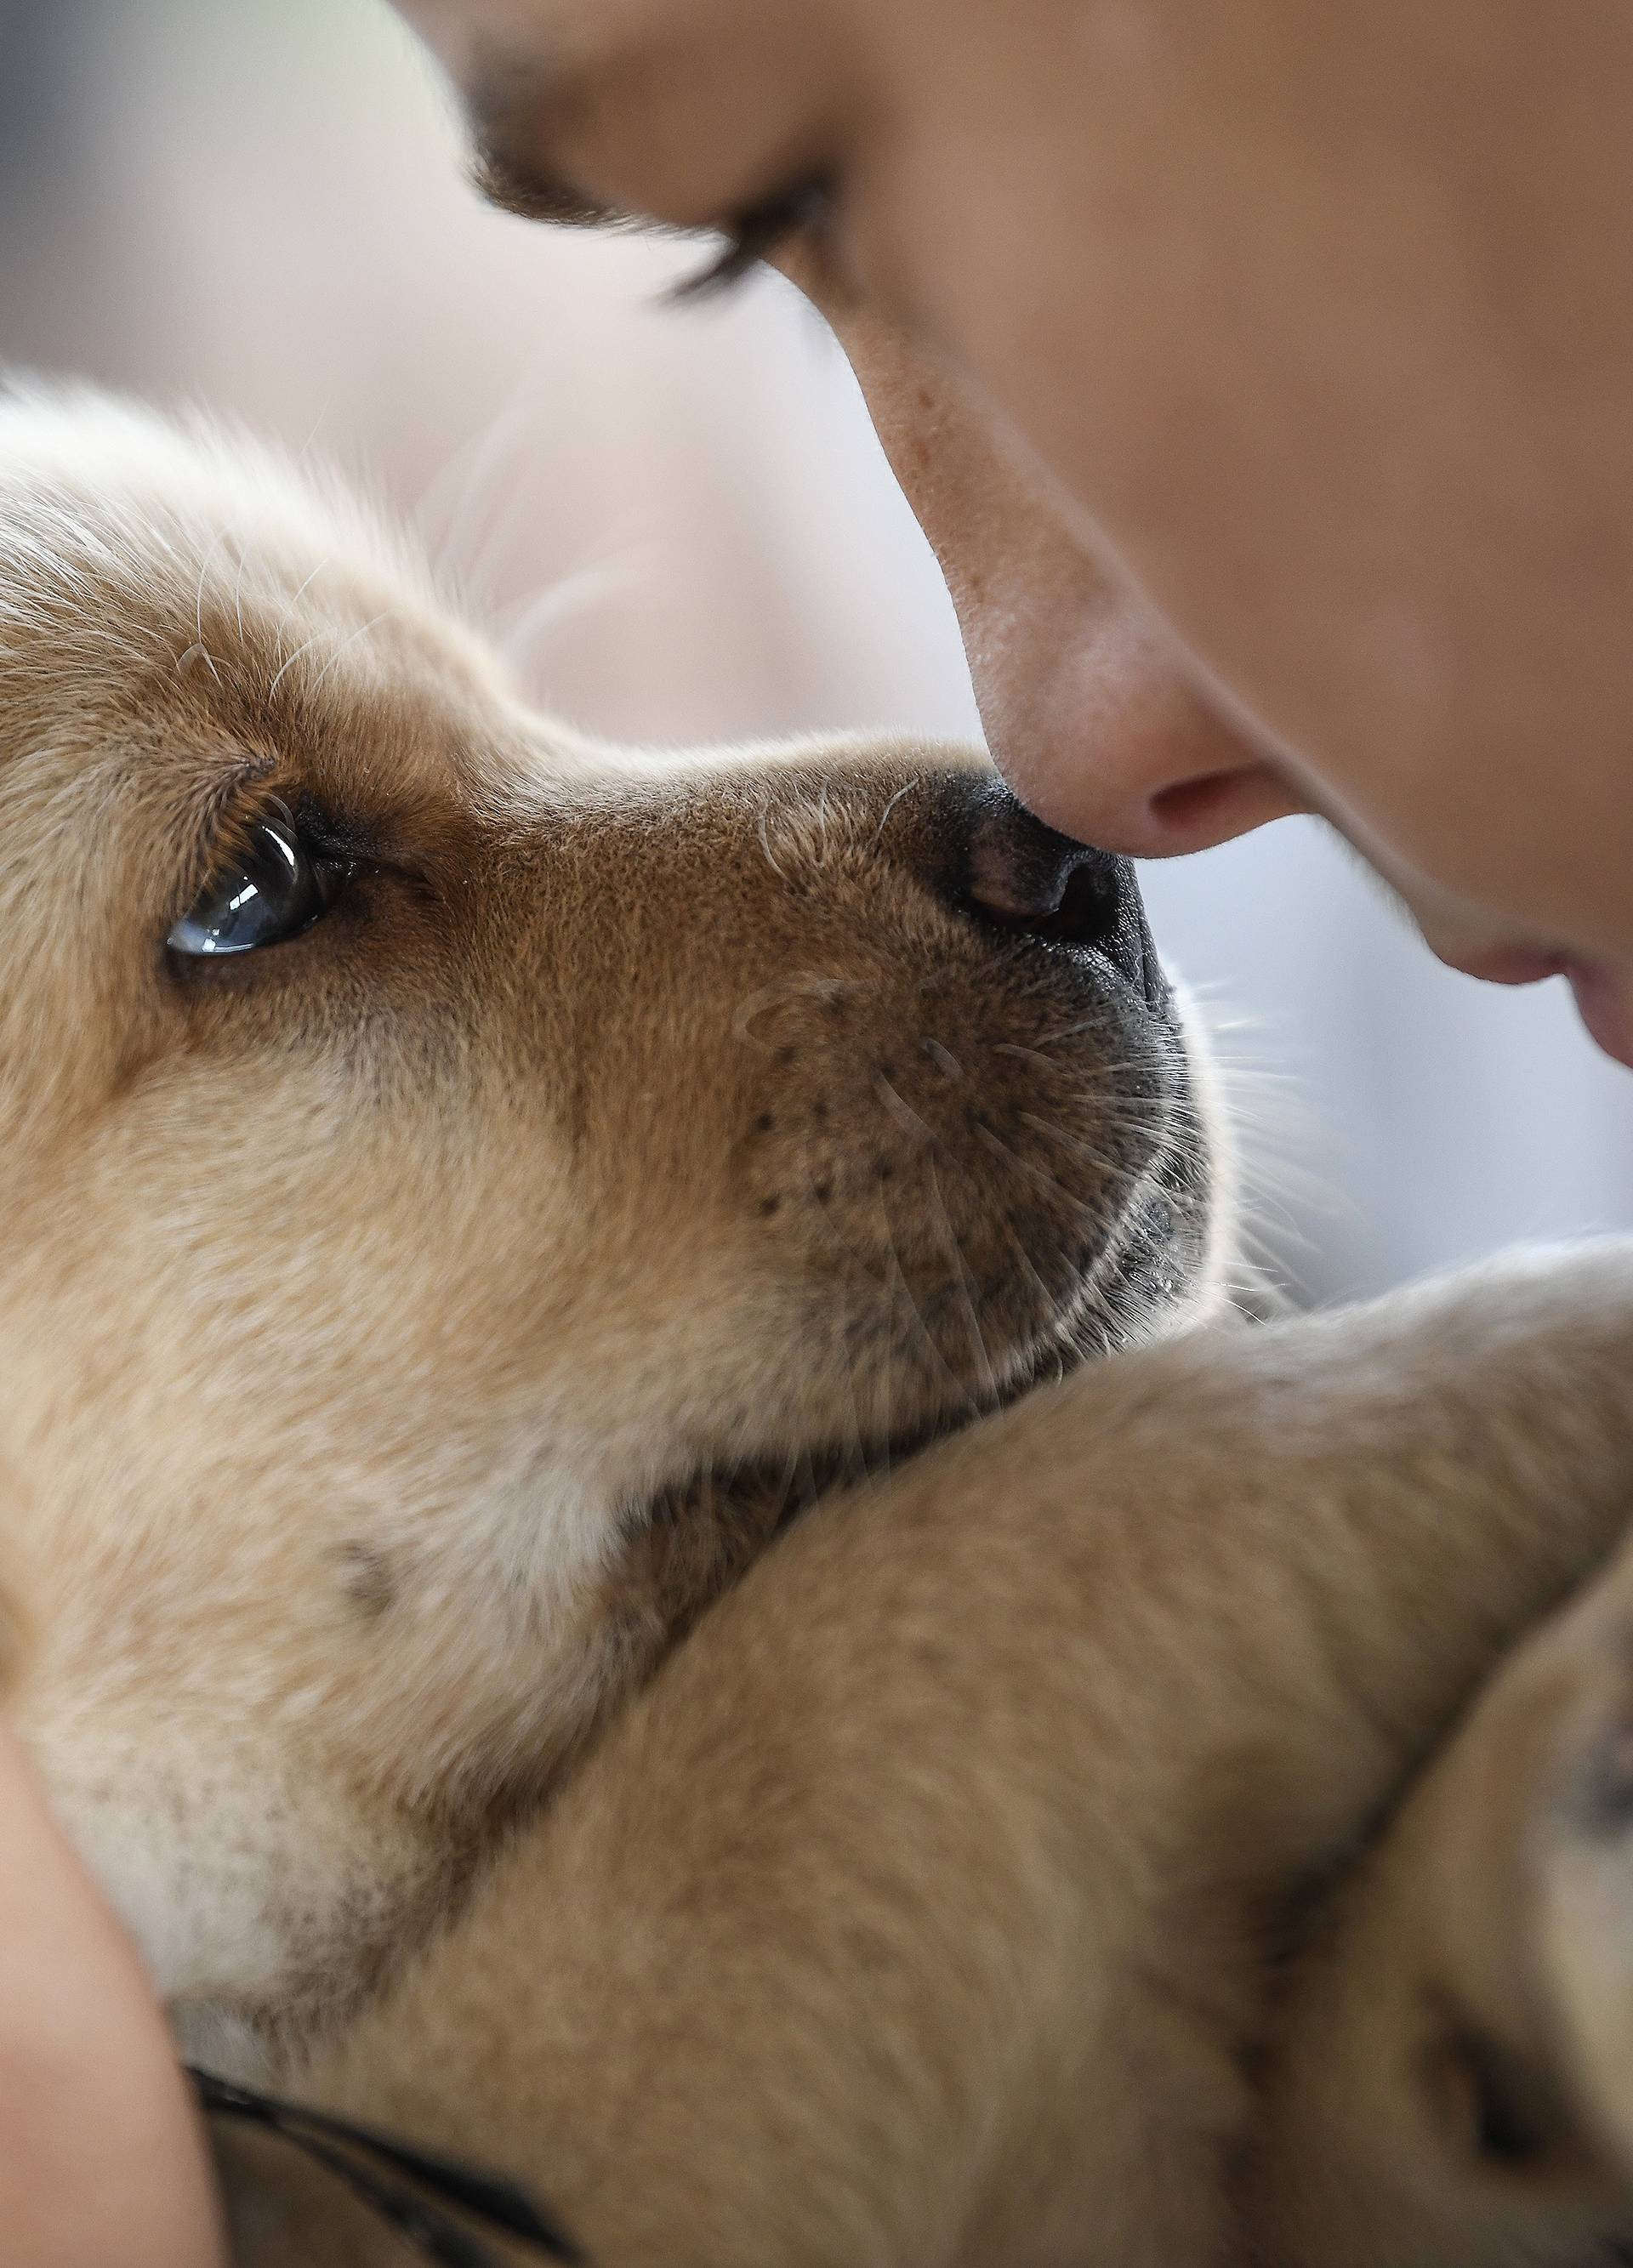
[
  {"x": 510, "y": 107},
  {"x": 757, "y": 234},
  {"x": 521, "y": 109},
  {"x": 516, "y": 181}
]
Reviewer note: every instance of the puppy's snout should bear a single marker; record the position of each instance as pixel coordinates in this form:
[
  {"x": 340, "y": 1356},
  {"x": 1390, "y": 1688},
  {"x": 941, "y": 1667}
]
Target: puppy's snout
[{"x": 1019, "y": 876}]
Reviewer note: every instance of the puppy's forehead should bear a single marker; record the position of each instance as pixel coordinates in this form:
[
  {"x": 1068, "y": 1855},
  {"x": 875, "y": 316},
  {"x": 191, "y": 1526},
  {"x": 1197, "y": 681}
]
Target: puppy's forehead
[{"x": 178, "y": 585}]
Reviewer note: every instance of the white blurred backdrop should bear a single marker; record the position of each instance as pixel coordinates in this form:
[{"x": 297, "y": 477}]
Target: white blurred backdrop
[{"x": 681, "y": 526}]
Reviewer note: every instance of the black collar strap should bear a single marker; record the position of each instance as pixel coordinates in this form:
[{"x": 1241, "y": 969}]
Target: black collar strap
[{"x": 354, "y": 2155}]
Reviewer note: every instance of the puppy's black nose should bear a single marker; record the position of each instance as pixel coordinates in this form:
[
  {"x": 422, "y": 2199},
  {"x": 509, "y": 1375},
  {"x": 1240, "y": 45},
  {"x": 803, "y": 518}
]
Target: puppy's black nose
[{"x": 1017, "y": 875}]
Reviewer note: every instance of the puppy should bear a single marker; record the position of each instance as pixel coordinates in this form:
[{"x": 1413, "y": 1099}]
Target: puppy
[
  {"x": 467, "y": 1192},
  {"x": 467, "y": 1188}
]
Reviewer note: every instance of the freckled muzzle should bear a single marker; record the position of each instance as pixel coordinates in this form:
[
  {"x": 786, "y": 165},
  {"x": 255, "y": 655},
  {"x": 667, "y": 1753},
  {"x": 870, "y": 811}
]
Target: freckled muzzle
[
  {"x": 920, "y": 1048},
  {"x": 973, "y": 1098}
]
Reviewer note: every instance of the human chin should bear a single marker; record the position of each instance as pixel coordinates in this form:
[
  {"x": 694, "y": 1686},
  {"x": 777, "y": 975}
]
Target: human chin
[
  {"x": 1604, "y": 999},
  {"x": 1602, "y": 989}
]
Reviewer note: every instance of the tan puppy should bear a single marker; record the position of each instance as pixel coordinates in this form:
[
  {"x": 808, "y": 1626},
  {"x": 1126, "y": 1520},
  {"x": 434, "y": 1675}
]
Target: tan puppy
[
  {"x": 410, "y": 1322},
  {"x": 413, "y": 1321}
]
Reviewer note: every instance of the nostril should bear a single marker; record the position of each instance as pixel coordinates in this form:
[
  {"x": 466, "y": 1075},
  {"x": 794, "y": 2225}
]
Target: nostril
[
  {"x": 1019, "y": 875},
  {"x": 1077, "y": 897},
  {"x": 1096, "y": 900}
]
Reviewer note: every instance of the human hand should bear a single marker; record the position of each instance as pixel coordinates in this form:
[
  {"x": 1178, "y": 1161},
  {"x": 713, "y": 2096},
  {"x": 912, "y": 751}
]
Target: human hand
[{"x": 102, "y": 2158}]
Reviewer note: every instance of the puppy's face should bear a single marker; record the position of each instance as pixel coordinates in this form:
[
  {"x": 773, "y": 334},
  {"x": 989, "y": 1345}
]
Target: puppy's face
[{"x": 464, "y": 1187}]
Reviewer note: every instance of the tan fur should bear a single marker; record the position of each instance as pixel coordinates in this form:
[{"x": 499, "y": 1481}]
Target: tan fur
[
  {"x": 970, "y": 1950},
  {"x": 409, "y": 1332},
  {"x": 1452, "y": 2086},
  {"x": 16, "y": 1629}
]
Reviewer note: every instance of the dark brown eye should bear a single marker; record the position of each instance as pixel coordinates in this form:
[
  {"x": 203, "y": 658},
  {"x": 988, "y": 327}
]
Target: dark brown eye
[
  {"x": 276, "y": 886},
  {"x": 806, "y": 210}
]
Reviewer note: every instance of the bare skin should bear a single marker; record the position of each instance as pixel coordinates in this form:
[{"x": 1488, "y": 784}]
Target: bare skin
[
  {"x": 102, "y": 2159},
  {"x": 1279, "y": 457}
]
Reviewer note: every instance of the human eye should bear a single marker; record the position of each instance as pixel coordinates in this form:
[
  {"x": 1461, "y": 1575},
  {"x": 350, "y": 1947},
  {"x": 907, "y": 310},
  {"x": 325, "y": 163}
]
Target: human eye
[{"x": 803, "y": 212}]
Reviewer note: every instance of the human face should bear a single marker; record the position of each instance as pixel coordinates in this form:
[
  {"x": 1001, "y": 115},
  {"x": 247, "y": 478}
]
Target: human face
[{"x": 1264, "y": 392}]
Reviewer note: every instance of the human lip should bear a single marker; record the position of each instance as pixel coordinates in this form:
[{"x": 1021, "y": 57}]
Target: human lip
[{"x": 1604, "y": 999}]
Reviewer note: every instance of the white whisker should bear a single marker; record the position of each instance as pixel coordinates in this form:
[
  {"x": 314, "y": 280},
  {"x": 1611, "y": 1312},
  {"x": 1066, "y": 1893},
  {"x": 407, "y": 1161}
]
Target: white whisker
[{"x": 346, "y": 645}]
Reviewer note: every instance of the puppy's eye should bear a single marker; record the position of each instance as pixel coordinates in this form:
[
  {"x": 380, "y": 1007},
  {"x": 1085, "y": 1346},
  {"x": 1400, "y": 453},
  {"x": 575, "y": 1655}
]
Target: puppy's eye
[{"x": 276, "y": 886}]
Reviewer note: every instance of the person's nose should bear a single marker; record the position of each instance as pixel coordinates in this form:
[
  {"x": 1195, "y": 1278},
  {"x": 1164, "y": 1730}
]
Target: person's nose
[
  {"x": 1103, "y": 728},
  {"x": 1133, "y": 758},
  {"x": 1160, "y": 816}
]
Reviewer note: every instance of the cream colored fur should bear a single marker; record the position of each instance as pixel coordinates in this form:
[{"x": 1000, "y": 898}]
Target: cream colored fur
[
  {"x": 411, "y": 1331},
  {"x": 1012, "y": 1930},
  {"x": 408, "y": 1330}
]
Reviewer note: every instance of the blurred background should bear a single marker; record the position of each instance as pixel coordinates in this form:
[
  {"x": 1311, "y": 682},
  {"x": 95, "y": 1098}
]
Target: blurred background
[{"x": 679, "y": 525}]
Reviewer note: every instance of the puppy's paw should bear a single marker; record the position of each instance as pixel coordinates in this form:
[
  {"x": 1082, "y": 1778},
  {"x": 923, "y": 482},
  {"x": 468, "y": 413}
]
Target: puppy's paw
[
  {"x": 1530, "y": 1854},
  {"x": 1451, "y": 2079},
  {"x": 1582, "y": 1858}
]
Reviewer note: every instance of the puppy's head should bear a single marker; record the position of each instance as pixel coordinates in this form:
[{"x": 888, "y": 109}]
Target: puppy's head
[{"x": 465, "y": 1186}]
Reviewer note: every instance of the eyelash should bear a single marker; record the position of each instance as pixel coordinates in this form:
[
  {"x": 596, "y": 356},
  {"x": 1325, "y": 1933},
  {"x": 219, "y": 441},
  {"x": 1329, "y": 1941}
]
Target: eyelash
[
  {"x": 227, "y": 829},
  {"x": 753, "y": 234}
]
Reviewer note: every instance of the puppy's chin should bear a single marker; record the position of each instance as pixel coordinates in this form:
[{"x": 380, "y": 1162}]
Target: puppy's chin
[{"x": 688, "y": 1542}]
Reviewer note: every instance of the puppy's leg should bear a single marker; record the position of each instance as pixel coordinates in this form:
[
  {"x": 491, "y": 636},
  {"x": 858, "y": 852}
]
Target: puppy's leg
[{"x": 912, "y": 1915}]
